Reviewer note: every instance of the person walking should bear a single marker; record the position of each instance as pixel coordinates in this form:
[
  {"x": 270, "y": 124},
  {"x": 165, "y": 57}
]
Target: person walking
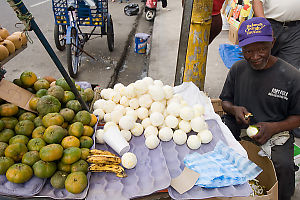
[{"x": 269, "y": 88}]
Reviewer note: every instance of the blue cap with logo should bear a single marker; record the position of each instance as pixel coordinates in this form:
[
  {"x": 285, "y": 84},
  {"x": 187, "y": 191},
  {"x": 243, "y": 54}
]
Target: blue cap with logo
[{"x": 256, "y": 29}]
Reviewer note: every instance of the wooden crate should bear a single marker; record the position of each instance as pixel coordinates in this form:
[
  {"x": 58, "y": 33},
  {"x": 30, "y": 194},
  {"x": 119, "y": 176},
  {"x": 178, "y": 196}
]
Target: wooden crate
[{"x": 217, "y": 106}]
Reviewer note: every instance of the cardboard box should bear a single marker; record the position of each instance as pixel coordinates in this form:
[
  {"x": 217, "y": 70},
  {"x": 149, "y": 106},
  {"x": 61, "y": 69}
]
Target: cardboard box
[
  {"x": 267, "y": 178},
  {"x": 12, "y": 93},
  {"x": 233, "y": 34}
]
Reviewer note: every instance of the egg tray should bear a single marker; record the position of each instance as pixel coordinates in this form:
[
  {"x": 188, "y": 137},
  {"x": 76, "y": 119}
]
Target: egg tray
[
  {"x": 28, "y": 189},
  {"x": 175, "y": 154},
  {"x": 150, "y": 174}
]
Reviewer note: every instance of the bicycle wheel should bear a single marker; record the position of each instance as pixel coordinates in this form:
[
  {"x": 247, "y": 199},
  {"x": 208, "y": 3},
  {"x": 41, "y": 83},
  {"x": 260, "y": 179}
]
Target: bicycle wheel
[
  {"x": 73, "y": 54},
  {"x": 110, "y": 34},
  {"x": 59, "y": 36}
]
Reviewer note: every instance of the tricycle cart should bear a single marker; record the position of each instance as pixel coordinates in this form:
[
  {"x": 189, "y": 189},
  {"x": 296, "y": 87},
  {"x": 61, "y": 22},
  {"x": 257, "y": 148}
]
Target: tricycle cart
[{"x": 70, "y": 16}]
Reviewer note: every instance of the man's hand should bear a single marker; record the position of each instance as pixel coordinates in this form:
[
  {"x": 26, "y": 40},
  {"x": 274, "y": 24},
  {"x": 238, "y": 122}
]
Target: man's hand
[
  {"x": 239, "y": 113},
  {"x": 266, "y": 131}
]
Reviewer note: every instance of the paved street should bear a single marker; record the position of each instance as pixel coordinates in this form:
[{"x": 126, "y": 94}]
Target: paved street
[{"x": 100, "y": 71}]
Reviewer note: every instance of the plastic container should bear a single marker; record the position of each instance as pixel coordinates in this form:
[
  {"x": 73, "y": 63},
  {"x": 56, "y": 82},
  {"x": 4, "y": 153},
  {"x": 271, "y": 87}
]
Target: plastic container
[{"x": 141, "y": 43}]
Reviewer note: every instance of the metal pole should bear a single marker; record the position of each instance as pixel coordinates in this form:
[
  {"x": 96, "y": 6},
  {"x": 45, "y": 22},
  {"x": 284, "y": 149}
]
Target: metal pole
[
  {"x": 33, "y": 26},
  {"x": 183, "y": 41},
  {"x": 196, "y": 56}
]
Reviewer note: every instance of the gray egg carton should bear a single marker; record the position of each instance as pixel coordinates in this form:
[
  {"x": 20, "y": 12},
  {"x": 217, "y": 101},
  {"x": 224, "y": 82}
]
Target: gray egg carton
[
  {"x": 28, "y": 189},
  {"x": 175, "y": 154},
  {"x": 150, "y": 175}
]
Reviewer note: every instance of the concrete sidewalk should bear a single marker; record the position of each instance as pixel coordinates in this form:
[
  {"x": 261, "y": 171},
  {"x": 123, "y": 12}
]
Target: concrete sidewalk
[{"x": 164, "y": 50}]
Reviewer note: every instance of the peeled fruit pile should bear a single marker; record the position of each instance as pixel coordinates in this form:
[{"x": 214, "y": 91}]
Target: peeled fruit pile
[
  {"x": 52, "y": 143},
  {"x": 150, "y": 108},
  {"x": 10, "y": 43}
]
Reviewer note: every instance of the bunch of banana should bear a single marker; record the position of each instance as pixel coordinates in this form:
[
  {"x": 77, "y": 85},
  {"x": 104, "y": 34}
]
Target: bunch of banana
[{"x": 105, "y": 161}]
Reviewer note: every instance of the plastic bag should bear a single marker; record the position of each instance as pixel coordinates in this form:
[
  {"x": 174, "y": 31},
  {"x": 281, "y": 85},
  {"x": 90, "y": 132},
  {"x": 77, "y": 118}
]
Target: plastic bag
[
  {"x": 230, "y": 54},
  {"x": 131, "y": 9}
]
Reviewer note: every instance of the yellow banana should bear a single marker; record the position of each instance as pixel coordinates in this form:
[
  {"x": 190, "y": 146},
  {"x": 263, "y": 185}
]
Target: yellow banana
[
  {"x": 101, "y": 152},
  {"x": 117, "y": 169},
  {"x": 104, "y": 159}
]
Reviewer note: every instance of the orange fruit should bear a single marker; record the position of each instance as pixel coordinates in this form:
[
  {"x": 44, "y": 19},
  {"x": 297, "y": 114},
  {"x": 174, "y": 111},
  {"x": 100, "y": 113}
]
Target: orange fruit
[
  {"x": 52, "y": 119},
  {"x": 28, "y": 78},
  {"x": 88, "y": 131},
  {"x": 38, "y": 132},
  {"x": 76, "y": 129},
  {"x": 8, "y": 110},
  {"x": 19, "y": 173},
  {"x": 24, "y": 127},
  {"x": 86, "y": 142},
  {"x": 51, "y": 152},
  {"x": 33, "y": 102},
  {"x": 93, "y": 120},
  {"x": 70, "y": 141},
  {"x": 76, "y": 182},
  {"x": 15, "y": 151}
]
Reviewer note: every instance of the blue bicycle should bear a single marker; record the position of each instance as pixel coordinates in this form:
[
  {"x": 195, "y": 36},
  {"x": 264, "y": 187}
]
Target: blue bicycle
[{"x": 70, "y": 16}]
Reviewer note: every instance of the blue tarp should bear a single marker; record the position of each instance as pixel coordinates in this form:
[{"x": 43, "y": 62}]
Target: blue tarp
[{"x": 230, "y": 54}]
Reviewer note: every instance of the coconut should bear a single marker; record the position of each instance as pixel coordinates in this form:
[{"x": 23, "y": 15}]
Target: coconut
[
  {"x": 22, "y": 36},
  {"x": 3, "y": 52},
  {"x": 16, "y": 40},
  {"x": 9, "y": 45},
  {"x": 4, "y": 33}
]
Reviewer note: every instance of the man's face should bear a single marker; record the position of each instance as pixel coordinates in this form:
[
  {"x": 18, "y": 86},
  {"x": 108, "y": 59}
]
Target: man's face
[{"x": 257, "y": 54}]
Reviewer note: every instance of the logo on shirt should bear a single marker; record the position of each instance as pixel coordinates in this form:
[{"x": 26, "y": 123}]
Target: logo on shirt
[{"x": 278, "y": 93}]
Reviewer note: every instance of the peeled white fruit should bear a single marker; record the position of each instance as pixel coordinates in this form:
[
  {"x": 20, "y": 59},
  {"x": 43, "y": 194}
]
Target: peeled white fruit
[
  {"x": 129, "y": 160},
  {"x": 146, "y": 122},
  {"x": 115, "y": 96},
  {"x": 185, "y": 126},
  {"x": 152, "y": 141},
  {"x": 145, "y": 100},
  {"x": 123, "y": 91},
  {"x": 141, "y": 87},
  {"x": 198, "y": 110},
  {"x": 150, "y": 130},
  {"x": 142, "y": 113},
  {"x": 171, "y": 121},
  {"x": 105, "y": 93},
  {"x": 132, "y": 113},
  {"x": 100, "y": 113},
  {"x": 186, "y": 113},
  {"x": 108, "y": 125},
  {"x": 137, "y": 129},
  {"x": 148, "y": 80},
  {"x": 99, "y": 136},
  {"x": 118, "y": 86},
  {"x": 124, "y": 101},
  {"x": 134, "y": 103},
  {"x": 177, "y": 97},
  {"x": 157, "y": 93},
  {"x": 165, "y": 134},
  {"x": 198, "y": 124},
  {"x": 116, "y": 116},
  {"x": 130, "y": 91},
  {"x": 174, "y": 109},
  {"x": 252, "y": 131},
  {"x": 100, "y": 103},
  {"x": 205, "y": 136},
  {"x": 157, "y": 107},
  {"x": 109, "y": 106},
  {"x": 158, "y": 83},
  {"x": 126, "y": 134},
  {"x": 120, "y": 108},
  {"x": 163, "y": 102},
  {"x": 126, "y": 123},
  {"x": 193, "y": 142},
  {"x": 169, "y": 91},
  {"x": 183, "y": 103},
  {"x": 107, "y": 117},
  {"x": 156, "y": 119},
  {"x": 179, "y": 137}
]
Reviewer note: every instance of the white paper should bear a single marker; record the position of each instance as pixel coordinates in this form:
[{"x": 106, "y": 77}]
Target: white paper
[{"x": 192, "y": 95}]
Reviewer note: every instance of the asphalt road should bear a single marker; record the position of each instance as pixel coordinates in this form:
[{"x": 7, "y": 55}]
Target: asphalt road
[{"x": 121, "y": 65}]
